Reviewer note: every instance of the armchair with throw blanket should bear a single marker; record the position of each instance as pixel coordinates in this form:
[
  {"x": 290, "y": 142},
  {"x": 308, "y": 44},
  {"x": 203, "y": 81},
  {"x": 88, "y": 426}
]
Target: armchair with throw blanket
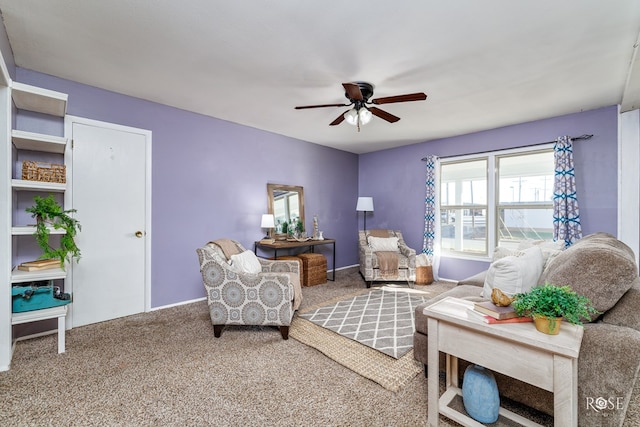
[
  {"x": 384, "y": 256},
  {"x": 243, "y": 289}
]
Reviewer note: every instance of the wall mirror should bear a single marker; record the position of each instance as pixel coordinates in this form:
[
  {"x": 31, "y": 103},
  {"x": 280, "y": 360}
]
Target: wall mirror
[{"x": 286, "y": 203}]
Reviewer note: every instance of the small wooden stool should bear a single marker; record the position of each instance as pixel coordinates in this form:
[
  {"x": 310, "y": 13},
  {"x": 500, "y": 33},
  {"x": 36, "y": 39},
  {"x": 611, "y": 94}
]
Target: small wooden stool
[{"x": 315, "y": 269}]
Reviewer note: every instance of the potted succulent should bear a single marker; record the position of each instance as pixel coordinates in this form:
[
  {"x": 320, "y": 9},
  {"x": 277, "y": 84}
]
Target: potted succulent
[
  {"x": 48, "y": 212},
  {"x": 549, "y": 304}
]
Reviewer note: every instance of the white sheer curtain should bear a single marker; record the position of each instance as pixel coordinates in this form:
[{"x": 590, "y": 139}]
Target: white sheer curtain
[{"x": 431, "y": 241}]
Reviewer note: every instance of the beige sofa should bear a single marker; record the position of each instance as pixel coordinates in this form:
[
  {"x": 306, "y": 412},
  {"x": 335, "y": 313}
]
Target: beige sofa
[{"x": 604, "y": 269}]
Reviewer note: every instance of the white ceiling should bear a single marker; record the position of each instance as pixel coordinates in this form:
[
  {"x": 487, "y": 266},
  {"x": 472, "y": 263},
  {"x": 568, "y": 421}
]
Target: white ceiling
[{"x": 483, "y": 64}]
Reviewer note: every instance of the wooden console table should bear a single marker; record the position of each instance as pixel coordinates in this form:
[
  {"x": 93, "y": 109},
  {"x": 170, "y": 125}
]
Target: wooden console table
[
  {"x": 279, "y": 245},
  {"x": 517, "y": 350}
]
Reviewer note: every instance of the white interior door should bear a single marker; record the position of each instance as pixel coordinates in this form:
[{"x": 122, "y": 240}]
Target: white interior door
[{"x": 109, "y": 190}]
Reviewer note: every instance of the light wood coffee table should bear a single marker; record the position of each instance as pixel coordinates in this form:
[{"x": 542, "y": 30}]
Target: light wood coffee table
[{"x": 516, "y": 350}]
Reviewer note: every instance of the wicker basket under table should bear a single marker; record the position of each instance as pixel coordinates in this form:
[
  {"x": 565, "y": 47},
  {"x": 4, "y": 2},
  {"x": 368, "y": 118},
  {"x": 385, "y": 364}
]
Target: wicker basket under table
[{"x": 315, "y": 269}]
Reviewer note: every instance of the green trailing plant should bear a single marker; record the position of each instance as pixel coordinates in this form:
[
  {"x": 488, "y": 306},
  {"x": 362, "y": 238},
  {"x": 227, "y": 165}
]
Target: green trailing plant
[
  {"x": 48, "y": 212},
  {"x": 554, "y": 301}
]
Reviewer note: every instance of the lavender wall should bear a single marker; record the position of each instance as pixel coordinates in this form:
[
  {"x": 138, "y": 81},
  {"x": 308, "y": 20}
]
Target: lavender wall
[
  {"x": 210, "y": 176},
  {"x": 395, "y": 178},
  {"x": 209, "y": 181}
]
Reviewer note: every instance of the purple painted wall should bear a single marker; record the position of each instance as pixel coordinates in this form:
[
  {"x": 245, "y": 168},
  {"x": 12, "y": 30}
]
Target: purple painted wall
[
  {"x": 395, "y": 177},
  {"x": 210, "y": 178}
]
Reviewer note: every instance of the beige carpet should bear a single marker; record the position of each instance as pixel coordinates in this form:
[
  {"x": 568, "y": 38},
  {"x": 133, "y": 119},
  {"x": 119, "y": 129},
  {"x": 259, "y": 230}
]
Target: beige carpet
[{"x": 165, "y": 368}]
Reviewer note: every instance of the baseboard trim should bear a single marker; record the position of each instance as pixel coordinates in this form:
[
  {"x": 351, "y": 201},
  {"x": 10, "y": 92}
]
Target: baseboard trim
[{"x": 162, "y": 307}]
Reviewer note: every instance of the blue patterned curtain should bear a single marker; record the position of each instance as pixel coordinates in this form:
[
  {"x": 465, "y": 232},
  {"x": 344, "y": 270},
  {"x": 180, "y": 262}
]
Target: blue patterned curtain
[
  {"x": 566, "y": 215},
  {"x": 429, "y": 243}
]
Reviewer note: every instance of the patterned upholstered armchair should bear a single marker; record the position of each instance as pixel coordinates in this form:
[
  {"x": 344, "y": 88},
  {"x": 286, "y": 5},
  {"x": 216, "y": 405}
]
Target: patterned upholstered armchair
[
  {"x": 269, "y": 297},
  {"x": 371, "y": 258}
]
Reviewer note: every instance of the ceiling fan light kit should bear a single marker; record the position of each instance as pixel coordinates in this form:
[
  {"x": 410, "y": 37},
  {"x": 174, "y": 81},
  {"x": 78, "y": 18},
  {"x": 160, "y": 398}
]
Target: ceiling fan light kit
[
  {"x": 359, "y": 117},
  {"x": 351, "y": 116},
  {"x": 358, "y": 94}
]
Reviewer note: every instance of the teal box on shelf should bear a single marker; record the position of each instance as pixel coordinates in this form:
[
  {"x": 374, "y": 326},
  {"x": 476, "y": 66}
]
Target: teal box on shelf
[{"x": 29, "y": 298}]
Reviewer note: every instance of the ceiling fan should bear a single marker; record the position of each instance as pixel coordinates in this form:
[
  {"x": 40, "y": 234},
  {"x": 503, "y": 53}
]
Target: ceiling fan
[{"x": 358, "y": 94}]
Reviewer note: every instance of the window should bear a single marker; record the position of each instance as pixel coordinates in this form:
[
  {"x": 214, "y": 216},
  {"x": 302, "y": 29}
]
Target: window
[
  {"x": 525, "y": 198},
  {"x": 463, "y": 206},
  {"x": 480, "y": 210}
]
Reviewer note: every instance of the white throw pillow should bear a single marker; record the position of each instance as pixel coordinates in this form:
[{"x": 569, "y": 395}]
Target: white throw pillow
[
  {"x": 515, "y": 273},
  {"x": 378, "y": 244},
  {"x": 246, "y": 262},
  {"x": 501, "y": 252},
  {"x": 549, "y": 248}
]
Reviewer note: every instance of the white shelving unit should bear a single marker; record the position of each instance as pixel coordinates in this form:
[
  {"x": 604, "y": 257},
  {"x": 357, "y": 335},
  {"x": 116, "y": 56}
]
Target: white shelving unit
[
  {"x": 31, "y": 98},
  {"x": 19, "y": 276},
  {"x": 30, "y": 229},
  {"x": 51, "y": 187},
  {"x": 38, "y": 142},
  {"x": 48, "y": 313},
  {"x": 39, "y": 100}
]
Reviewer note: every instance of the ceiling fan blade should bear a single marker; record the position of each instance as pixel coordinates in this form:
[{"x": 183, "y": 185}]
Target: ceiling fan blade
[
  {"x": 338, "y": 120},
  {"x": 419, "y": 96},
  {"x": 384, "y": 115},
  {"x": 353, "y": 91},
  {"x": 321, "y": 106}
]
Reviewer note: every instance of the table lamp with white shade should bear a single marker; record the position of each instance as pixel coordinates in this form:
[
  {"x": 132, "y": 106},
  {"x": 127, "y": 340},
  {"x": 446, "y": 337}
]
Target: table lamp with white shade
[{"x": 268, "y": 222}]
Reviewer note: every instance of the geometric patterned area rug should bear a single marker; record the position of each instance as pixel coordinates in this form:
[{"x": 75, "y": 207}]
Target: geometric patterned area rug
[{"x": 382, "y": 319}]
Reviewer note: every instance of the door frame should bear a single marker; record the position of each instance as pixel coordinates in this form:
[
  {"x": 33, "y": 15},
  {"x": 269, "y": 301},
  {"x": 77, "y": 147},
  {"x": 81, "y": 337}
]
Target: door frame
[{"x": 69, "y": 121}]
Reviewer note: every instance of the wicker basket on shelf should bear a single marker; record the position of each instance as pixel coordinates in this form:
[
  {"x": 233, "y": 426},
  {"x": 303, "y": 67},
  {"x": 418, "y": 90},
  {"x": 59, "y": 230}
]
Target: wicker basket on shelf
[{"x": 44, "y": 172}]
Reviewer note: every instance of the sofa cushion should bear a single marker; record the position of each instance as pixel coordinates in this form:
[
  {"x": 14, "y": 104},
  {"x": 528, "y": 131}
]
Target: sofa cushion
[
  {"x": 597, "y": 266},
  {"x": 549, "y": 249},
  {"x": 475, "y": 280},
  {"x": 467, "y": 292},
  {"x": 607, "y": 368},
  {"x": 514, "y": 274},
  {"x": 625, "y": 312},
  {"x": 501, "y": 252}
]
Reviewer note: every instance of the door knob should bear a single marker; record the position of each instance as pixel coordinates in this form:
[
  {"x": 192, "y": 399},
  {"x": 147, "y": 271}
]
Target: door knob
[{"x": 139, "y": 234}]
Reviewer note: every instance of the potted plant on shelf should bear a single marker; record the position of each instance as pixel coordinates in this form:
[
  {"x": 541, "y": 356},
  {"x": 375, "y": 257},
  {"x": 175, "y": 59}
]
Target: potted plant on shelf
[
  {"x": 48, "y": 212},
  {"x": 549, "y": 304}
]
